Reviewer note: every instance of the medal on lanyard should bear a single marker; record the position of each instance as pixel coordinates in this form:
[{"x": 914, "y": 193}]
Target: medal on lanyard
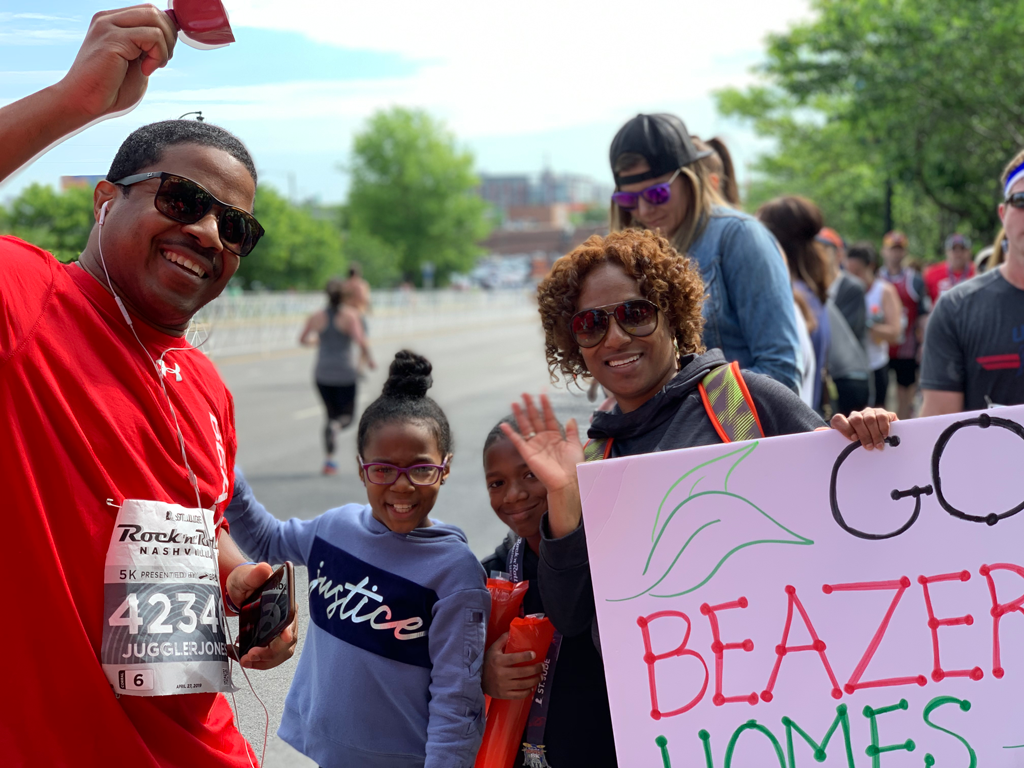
[
  {"x": 163, "y": 617},
  {"x": 533, "y": 748}
]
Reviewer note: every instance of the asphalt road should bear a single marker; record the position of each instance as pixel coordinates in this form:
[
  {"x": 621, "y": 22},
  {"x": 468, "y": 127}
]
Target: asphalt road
[{"x": 478, "y": 372}]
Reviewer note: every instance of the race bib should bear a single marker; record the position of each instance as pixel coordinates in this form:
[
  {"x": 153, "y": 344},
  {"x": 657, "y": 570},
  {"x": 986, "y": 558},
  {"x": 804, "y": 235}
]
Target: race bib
[{"x": 163, "y": 628}]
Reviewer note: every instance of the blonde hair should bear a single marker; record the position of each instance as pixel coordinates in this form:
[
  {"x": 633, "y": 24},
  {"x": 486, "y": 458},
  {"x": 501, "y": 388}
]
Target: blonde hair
[
  {"x": 702, "y": 198},
  {"x": 719, "y": 163},
  {"x": 998, "y": 255}
]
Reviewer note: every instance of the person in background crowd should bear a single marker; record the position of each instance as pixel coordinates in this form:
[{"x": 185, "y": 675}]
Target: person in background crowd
[
  {"x": 806, "y": 323},
  {"x": 795, "y": 222},
  {"x": 991, "y": 257},
  {"x": 357, "y": 293},
  {"x": 848, "y": 364},
  {"x": 957, "y": 267},
  {"x": 904, "y": 356},
  {"x": 846, "y": 291},
  {"x": 884, "y": 316},
  {"x": 578, "y": 726},
  {"x": 332, "y": 331},
  {"x": 720, "y": 169},
  {"x": 974, "y": 344},
  {"x": 661, "y": 185},
  {"x": 110, "y": 417}
]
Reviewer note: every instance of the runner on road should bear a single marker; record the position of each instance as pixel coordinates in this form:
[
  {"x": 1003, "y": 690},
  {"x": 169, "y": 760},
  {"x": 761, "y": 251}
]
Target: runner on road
[
  {"x": 118, "y": 446},
  {"x": 333, "y": 331}
]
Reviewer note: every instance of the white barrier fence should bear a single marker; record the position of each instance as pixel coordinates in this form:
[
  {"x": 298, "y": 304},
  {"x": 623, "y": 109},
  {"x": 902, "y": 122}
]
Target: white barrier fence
[{"x": 260, "y": 323}]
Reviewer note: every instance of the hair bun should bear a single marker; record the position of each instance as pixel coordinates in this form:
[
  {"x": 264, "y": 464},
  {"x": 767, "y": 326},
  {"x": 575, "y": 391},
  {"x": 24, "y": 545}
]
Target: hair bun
[{"x": 409, "y": 376}]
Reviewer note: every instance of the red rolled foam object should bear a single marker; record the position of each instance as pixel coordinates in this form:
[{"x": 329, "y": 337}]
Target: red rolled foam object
[
  {"x": 506, "y": 718},
  {"x": 506, "y": 598}
]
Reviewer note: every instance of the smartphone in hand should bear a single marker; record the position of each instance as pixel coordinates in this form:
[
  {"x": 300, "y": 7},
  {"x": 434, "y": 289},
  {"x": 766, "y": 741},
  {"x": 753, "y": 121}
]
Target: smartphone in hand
[{"x": 267, "y": 611}]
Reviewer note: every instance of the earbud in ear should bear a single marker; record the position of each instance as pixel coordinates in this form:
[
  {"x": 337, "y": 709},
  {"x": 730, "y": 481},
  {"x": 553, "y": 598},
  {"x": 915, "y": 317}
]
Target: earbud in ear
[{"x": 103, "y": 212}]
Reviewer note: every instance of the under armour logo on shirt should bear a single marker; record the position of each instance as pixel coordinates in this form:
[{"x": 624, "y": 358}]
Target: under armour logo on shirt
[{"x": 165, "y": 369}]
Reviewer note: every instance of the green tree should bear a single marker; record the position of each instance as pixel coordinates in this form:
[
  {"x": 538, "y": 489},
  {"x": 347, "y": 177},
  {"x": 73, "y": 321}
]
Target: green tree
[
  {"x": 59, "y": 222},
  {"x": 379, "y": 261},
  {"x": 412, "y": 188},
  {"x": 297, "y": 251},
  {"x": 909, "y": 93}
]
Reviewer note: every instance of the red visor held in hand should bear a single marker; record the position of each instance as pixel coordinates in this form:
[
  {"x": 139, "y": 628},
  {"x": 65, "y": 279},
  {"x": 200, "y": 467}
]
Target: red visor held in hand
[{"x": 202, "y": 24}]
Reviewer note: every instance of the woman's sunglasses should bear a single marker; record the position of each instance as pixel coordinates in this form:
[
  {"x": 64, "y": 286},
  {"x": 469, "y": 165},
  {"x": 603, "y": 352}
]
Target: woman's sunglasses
[
  {"x": 637, "y": 317},
  {"x": 380, "y": 473},
  {"x": 658, "y": 194},
  {"x": 1016, "y": 200},
  {"x": 186, "y": 202}
]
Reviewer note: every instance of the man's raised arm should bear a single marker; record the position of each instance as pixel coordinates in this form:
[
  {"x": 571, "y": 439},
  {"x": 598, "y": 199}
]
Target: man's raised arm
[{"x": 121, "y": 50}]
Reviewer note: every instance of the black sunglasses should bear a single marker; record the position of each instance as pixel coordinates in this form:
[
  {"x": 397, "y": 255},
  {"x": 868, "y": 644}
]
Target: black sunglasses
[
  {"x": 186, "y": 202},
  {"x": 1016, "y": 200},
  {"x": 637, "y": 317}
]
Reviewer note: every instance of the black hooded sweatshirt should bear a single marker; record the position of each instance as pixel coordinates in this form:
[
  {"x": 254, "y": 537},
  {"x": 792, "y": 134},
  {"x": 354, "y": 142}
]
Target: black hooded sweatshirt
[{"x": 673, "y": 418}]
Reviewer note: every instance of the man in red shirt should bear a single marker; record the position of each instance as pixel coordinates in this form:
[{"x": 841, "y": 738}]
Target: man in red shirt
[
  {"x": 957, "y": 267},
  {"x": 904, "y": 357},
  {"x": 118, "y": 440}
]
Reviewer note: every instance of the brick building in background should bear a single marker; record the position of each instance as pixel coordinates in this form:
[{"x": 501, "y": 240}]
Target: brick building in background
[{"x": 542, "y": 217}]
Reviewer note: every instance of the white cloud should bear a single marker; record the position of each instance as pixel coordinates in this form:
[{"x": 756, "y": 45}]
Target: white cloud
[
  {"x": 522, "y": 81},
  {"x": 40, "y": 36},
  {"x": 503, "y": 69}
]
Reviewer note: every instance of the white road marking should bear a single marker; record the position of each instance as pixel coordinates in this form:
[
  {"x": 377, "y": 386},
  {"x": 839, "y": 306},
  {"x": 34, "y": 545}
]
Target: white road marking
[{"x": 307, "y": 413}]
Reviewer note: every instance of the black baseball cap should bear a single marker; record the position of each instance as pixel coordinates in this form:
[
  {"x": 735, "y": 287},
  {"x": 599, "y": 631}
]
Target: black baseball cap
[{"x": 660, "y": 139}]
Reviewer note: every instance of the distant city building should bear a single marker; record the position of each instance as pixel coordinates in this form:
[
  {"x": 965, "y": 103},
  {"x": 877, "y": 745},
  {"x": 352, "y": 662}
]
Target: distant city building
[
  {"x": 505, "y": 192},
  {"x": 548, "y": 188},
  {"x": 81, "y": 182},
  {"x": 541, "y": 219}
]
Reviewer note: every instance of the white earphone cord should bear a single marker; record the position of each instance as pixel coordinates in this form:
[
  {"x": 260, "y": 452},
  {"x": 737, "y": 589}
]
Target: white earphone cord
[{"x": 192, "y": 480}]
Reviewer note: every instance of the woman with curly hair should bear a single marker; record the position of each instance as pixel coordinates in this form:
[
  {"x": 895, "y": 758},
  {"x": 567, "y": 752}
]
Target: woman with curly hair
[{"x": 626, "y": 310}]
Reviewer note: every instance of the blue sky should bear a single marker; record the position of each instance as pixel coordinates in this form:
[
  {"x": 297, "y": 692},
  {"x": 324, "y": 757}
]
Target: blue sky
[{"x": 520, "y": 85}]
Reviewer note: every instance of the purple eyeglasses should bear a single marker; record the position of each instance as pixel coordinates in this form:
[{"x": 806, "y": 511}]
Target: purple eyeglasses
[
  {"x": 656, "y": 194},
  {"x": 380, "y": 473}
]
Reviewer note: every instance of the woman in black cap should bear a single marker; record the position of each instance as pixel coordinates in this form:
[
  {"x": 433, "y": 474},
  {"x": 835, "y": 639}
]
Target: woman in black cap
[{"x": 660, "y": 185}]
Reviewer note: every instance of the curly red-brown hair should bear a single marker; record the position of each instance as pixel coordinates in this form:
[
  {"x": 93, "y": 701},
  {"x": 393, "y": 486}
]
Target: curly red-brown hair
[{"x": 665, "y": 278}]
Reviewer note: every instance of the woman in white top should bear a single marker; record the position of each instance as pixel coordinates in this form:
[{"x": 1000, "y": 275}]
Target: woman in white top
[{"x": 884, "y": 314}]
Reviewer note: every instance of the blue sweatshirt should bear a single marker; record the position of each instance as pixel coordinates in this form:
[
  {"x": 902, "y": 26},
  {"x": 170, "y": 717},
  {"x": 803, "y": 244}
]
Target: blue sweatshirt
[{"x": 389, "y": 676}]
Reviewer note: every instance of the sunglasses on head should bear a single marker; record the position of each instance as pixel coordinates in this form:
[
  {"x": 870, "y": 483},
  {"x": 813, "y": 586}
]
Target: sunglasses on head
[
  {"x": 637, "y": 317},
  {"x": 657, "y": 194},
  {"x": 186, "y": 202},
  {"x": 1016, "y": 200}
]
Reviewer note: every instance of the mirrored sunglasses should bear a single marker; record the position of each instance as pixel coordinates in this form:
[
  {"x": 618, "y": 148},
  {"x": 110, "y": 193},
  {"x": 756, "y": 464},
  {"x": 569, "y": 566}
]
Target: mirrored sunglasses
[
  {"x": 185, "y": 201},
  {"x": 1016, "y": 200},
  {"x": 637, "y": 317},
  {"x": 657, "y": 194}
]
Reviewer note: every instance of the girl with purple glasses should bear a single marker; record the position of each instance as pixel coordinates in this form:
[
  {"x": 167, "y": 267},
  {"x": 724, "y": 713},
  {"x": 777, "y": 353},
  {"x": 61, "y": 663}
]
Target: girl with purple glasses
[
  {"x": 389, "y": 676},
  {"x": 663, "y": 183}
]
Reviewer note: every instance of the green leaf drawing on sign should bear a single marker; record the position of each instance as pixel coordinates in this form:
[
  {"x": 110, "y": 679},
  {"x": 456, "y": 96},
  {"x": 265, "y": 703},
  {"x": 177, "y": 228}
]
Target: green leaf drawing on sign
[{"x": 699, "y": 513}]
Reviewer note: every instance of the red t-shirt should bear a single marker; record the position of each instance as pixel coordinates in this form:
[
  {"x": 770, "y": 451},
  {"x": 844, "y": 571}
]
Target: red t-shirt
[
  {"x": 938, "y": 279},
  {"x": 84, "y": 420}
]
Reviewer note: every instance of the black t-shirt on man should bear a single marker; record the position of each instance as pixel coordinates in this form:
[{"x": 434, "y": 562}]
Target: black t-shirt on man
[{"x": 974, "y": 343}]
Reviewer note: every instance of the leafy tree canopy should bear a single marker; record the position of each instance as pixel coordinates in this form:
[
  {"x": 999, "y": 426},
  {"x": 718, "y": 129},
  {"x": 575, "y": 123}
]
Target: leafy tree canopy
[
  {"x": 917, "y": 94},
  {"x": 299, "y": 250},
  {"x": 412, "y": 189},
  {"x": 59, "y": 222},
  {"x": 378, "y": 260}
]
